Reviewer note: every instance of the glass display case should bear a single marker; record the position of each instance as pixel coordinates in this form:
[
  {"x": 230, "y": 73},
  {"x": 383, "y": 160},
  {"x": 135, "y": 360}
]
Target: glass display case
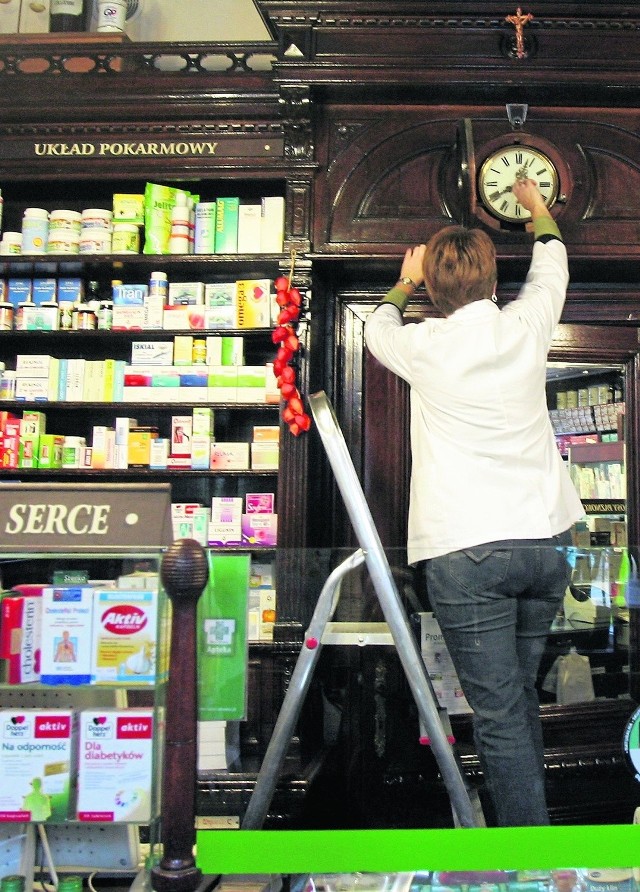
[{"x": 84, "y": 643}]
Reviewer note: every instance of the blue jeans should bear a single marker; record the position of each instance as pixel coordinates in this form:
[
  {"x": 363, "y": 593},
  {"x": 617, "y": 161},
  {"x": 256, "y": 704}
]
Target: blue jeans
[{"x": 495, "y": 604}]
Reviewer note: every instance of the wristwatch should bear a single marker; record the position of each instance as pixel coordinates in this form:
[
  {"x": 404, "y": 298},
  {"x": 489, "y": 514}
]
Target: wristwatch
[{"x": 405, "y": 280}]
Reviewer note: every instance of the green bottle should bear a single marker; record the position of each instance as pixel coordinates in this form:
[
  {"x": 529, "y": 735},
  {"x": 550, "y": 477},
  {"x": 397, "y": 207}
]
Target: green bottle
[
  {"x": 12, "y": 883},
  {"x": 70, "y": 884}
]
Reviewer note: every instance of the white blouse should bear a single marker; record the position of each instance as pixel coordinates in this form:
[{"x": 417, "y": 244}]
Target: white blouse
[{"x": 485, "y": 465}]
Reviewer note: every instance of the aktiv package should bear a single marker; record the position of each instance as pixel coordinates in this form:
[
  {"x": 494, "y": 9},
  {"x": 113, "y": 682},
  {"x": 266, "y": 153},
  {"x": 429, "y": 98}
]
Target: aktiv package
[
  {"x": 36, "y": 764},
  {"x": 125, "y": 638},
  {"x": 115, "y": 765}
]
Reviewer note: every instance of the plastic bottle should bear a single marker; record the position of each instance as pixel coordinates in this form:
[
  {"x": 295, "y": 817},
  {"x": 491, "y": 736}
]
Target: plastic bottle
[
  {"x": 66, "y": 15},
  {"x": 159, "y": 284},
  {"x": 35, "y": 231}
]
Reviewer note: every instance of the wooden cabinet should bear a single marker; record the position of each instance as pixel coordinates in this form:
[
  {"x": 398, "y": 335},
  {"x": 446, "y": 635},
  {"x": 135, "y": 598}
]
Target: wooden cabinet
[{"x": 373, "y": 125}]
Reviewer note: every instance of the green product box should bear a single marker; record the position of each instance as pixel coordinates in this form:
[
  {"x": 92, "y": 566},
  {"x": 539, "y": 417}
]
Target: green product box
[
  {"x": 222, "y": 639},
  {"x": 33, "y": 424},
  {"x": 50, "y": 451},
  {"x": 28, "y": 452},
  {"x": 232, "y": 350},
  {"x": 226, "y": 235}
]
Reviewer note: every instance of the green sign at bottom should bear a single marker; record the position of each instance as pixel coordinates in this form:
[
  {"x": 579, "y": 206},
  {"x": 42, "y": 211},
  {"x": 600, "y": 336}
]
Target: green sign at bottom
[{"x": 397, "y": 851}]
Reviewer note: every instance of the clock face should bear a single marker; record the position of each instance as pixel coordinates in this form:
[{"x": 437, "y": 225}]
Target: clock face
[{"x": 500, "y": 171}]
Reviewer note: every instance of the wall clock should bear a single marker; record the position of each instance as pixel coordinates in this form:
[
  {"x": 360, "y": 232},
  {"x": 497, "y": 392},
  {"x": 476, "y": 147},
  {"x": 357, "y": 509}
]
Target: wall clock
[
  {"x": 486, "y": 173},
  {"x": 500, "y": 170}
]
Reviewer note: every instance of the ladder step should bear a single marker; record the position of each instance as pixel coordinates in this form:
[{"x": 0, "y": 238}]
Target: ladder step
[{"x": 358, "y": 634}]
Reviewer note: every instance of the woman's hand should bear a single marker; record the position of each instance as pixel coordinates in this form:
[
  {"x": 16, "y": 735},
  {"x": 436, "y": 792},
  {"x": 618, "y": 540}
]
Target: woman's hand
[
  {"x": 526, "y": 191},
  {"x": 412, "y": 264}
]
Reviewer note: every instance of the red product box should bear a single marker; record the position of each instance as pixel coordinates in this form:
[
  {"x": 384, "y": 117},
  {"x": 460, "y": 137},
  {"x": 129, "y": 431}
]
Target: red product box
[
  {"x": 9, "y": 449},
  {"x": 20, "y": 637},
  {"x": 7, "y": 417}
]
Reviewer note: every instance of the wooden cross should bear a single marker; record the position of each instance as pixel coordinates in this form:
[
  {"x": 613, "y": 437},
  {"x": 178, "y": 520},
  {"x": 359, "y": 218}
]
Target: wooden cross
[{"x": 519, "y": 21}]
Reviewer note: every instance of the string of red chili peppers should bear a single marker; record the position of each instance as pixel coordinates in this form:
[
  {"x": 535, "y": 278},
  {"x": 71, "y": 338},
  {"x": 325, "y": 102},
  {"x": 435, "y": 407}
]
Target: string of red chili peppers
[{"x": 290, "y": 302}]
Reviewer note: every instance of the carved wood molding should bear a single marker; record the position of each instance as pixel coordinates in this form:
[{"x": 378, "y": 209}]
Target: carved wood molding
[
  {"x": 448, "y": 22},
  {"x": 295, "y": 109},
  {"x": 99, "y": 58},
  {"x": 196, "y": 129}
]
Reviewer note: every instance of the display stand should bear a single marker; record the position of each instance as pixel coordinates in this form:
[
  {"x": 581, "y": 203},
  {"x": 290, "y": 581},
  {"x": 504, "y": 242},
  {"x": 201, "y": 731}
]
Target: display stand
[
  {"x": 395, "y": 630},
  {"x": 71, "y": 521}
]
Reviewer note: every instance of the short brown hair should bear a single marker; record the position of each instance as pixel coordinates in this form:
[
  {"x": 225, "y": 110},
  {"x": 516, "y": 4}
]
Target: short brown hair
[{"x": 459, "y": 267}]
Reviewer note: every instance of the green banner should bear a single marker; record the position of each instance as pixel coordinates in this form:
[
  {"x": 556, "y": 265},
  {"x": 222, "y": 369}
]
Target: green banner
[
  {"x": 375, "y": 851},
  {"x": 222, "y": 639}
]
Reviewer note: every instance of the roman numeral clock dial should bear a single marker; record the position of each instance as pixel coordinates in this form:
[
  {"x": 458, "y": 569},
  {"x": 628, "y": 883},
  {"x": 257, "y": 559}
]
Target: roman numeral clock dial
[{"x": 502, "y": 168}]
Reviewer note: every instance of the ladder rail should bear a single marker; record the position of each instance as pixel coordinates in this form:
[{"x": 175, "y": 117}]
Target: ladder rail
[
  {"x": 297, "y": 688},
  {"x": 389, "y": 598}
]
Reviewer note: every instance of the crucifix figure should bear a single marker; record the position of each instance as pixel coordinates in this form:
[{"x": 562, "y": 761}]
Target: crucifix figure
[{"x": 519, "y": 21}]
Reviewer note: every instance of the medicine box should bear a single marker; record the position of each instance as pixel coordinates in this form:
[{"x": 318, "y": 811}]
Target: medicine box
[
  {"x": 37, "y": 759},
  {"x": 225, "y": 527},
  {"x": 259, "y": 502},
  {"x": 159, "y": 453},
  {"x": 152, "y": 353},
  {"x": 66, "y": 635},
  {"x": 36, "y": 365},
  {"x": 200, "y": 453},
  {"x": 50, "y": 451},
  {"x": 20, "y": 630},
  {"x": 139, "y": 448},
  {"x": 223, "y": 384},
  {"x": 70, "y": 290},
  {"x": 33, "y": 424},
  {"x": 253, "y": 303},
  {"x": 36, "y": 389},
  {"x": 183, "y": 316},
  {"x": 181, "y": 433},
  {"x": 128, "y": 318},
  {"x": 18, "y": 291},
  {"x": 39, "y": 318},
  {"x": 265, "y": 456},
  {"x": 251, "y": 384},
  {"x": 203, "y": 418},
  {"x": 128, "y": 207},
  {"x": 230, "y": 456},
  {"x": 129, "y": 295},
  {"x": 186, "y": 293},
  {"x": 266, "y": 433},
  {"x": 262, "y": 575},
  {"x": 28, "y": 451},
  {"x": 126, "y": 649},
  {"x": 260, "y": 529},
  {"x": 115, "y": 765},
  {"x": 43, "y": 290},
  {"x": 220, "y": 300}
]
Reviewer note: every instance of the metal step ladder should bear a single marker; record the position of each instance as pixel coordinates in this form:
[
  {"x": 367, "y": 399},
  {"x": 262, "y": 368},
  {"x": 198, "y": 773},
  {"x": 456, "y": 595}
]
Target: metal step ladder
[{"x": 395, "y": 631}]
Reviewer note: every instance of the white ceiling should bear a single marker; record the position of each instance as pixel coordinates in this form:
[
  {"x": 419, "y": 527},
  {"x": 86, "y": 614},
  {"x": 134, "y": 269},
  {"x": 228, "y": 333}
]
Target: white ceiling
[{"x": 198, "y": 20}]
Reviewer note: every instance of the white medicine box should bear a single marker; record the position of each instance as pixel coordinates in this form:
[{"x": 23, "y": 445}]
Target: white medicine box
[
  {"x": 115, "y": 765},
  {"x": 67, "y": 613}
]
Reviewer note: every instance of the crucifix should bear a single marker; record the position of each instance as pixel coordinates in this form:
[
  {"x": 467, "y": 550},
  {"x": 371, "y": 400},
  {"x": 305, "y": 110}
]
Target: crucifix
[{"x": 519, "y": 20}]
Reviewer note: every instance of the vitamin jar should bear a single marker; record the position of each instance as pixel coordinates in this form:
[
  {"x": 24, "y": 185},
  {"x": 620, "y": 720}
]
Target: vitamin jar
[{"x": 35, "y": 231}]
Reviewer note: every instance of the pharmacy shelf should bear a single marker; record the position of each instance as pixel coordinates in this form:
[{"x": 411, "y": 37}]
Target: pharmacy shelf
[
  {"x": 239, "y": 266},
  {"x": 137, "y": 473},
  {"x": 43, "y": 405},
  {"x": 150, "y": 334}
]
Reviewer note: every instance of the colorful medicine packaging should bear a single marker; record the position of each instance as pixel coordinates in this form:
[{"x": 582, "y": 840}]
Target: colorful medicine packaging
[{"x": 37, "y": 755}]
